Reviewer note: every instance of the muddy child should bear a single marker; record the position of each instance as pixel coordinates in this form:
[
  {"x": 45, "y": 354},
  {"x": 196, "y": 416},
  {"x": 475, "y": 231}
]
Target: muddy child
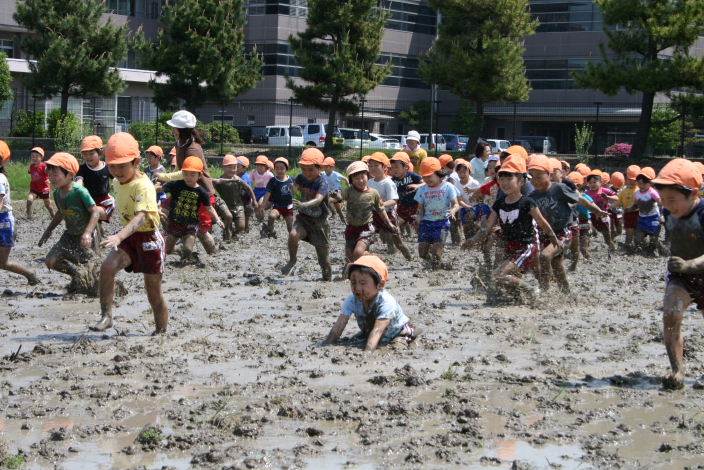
[
  {"x": 379, "y": 316},
  {"x": 648, "y": 203},
  {"x": 335, "y": 181},
  {"x": 584, "y": 225},
  {"x": 407, "y": 183},
  {"x": 138, "y": 247},
  {"x": 247, "y": 196},
  {"x": 154, "y": 155},
  {"x": 602, "y": 197},
  {"x": 678, "y": 183},
  {"x": 231, "y": 188},
  {"x": 93, "y": 173},
  {"x": 39, "y": 187},
  {"x": 466, "y": 186},
  {"x": 279, "y": 194},
  {"x": 260, "y": 176},
  {"x": 627, "y": 202}
]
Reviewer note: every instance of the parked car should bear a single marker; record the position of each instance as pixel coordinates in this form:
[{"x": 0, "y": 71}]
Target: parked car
[
  {"x": 352, "y": 139},
  {"x": 524, "y": 143},
  {"x": 279, "y": 136},
  {"x": 401, "y": 138},
  {"x": 498, "y": 145},
  {"x": 538, "y": 143},
  {"x": 379, "y": 141},
  {"x": 315, "y": 134},
  {"x": 258, "y": 135},
  {"x": 438, "y": 139},
  {"x": 456, "y": 142}
]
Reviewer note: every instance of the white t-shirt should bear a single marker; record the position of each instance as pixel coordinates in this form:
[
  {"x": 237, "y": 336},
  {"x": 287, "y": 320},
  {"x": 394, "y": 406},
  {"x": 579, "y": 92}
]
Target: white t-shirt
[
  {"x": 5, "y": 189},
  {"x": 386, "y": 189},
  {"x": 478, "y": 168},
  {"x": 472, "y": 185}
]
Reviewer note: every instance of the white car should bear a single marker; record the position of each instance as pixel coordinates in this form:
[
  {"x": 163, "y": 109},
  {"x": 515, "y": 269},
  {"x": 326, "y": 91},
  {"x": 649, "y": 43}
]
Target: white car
[
  {"x": 315, "y": 134},
  {"x": 352, "y": 139},
  {"x": 379, "y": 141},
  {"x": 498, "y": 145},
  {"x": 278, "y": 136},
  {"x": 439, "y": 139}
]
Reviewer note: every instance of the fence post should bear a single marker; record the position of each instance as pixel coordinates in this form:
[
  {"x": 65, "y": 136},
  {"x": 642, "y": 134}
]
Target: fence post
[
  {"x": 34, "y": 118},
  {"x": 596, "y": 130}
]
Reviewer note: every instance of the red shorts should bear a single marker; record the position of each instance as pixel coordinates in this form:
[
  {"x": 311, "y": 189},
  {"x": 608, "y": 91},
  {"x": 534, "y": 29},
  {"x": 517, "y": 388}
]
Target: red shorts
[
  {"x": 284, "y": 211},
  {"x": 521, "y": 254},
  {"x": 407, "y": 212},
  {"x": 205, "y": 220},
  {"x": 181, "y": 230},
  {"x": 574, "y": 230},
  {"x": 107, "y": 202},
  {"x": 355, "y": 233},
  {"x": 630, "y": 219},
  {"x": 563, "y": 239},
  {"x": 40, "y": 193},
  {"x": 146, "y": 252},
  {"x": 601, "y": 225}
]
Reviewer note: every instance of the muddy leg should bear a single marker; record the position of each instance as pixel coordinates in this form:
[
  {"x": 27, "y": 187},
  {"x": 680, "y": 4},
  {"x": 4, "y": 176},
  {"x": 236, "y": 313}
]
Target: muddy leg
[
  {"x": 294, "y": 238},
  {"x": 116, "y": 261},
  {"x": 14, "y": 267},
  {"x": 152, "y": 284},
  {"x": 676, "y": 300}
]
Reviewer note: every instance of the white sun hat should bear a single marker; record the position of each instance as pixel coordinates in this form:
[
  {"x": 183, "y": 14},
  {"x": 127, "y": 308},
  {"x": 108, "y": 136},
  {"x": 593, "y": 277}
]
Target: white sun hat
[
  {"x": 413, "y": 135},
  {"x": 182, "y": 120}
]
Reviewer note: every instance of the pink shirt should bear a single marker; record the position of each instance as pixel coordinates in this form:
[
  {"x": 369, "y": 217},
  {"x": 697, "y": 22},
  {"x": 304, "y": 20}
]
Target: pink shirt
[
  {"x": 261, "y": 180},
  {"x": 600, "y": 197}
]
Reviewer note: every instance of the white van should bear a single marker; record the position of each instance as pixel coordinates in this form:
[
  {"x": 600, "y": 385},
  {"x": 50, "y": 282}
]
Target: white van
[
  {"x": 498, "y": 145},
  {"x": 278, "y": 136},
  {"x": 439, "y": 140}
]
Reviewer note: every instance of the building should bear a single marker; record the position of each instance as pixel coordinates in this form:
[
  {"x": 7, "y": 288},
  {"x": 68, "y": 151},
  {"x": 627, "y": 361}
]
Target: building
[{"x": 568, "y": 37}]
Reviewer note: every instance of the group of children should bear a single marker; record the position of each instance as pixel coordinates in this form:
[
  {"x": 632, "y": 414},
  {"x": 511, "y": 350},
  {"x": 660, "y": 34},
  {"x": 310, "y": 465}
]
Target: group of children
[{"x": 530, "y": 209}]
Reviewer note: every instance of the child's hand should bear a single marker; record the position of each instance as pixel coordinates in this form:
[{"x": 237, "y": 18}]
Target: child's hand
[
  {"x": 86, "y": 240},
  {"x": 678, "y": 265},
  {"x": 296, "y": 204},
  {"x": 112, "y": 242},
  {"x": 220, "y": 223}
]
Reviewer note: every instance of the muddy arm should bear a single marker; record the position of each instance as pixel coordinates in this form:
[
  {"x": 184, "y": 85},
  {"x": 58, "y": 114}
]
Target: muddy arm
[
  {"x": 337, "y": 329},
  {"x": 377, "y": 332},
  {"x": 58, "y": 217}
]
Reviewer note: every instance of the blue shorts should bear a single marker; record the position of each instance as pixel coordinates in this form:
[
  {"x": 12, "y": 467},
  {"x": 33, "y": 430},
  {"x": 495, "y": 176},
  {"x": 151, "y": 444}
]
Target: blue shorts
[
  {"x": 7, "y": 230},
  {"x": 464, "y": 215},
  {"x": 433, "y": 231},
  {"x": 481, "y": 211},
  {"x": 259, "y": 193},
  {"x": 649, "y": 224}
]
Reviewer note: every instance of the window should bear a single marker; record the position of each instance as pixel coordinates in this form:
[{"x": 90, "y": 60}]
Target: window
[
  {"x": 274, "y": 132},
  {"x": 8, "y": 47},
  {"x": 295, "y": 131},
  {"x": 120, "y": 7},
  {"x": 554, "y": 74},
  {"x": 560, "y": 15},
  {"x": 314, "y": 129}
]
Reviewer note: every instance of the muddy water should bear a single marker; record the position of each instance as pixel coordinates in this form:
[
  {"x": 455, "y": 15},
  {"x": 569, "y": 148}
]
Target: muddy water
[{"x": 240, "y": 380}]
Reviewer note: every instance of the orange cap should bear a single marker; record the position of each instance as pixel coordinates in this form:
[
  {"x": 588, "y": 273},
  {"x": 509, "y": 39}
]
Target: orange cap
[
  {"x": 680, "y": 172},
  {"x": 4, "y": 151},
  {"x": 270, "y": 164},
  {"x": 617, "y": 179},
  {"x": 584, "y": 170},
  {"x": 375, "y": 264},
  {"x": 518, "y": 150},
  {"x": 357, "y": 167},
  {"x": 261, "y": 160},
  {"x": 632, "y": 172},
  {"x": 192, "y": 164},
  {"x": 539, "y": 161},
  {"x": 282, "y": 160},
  {"x": 380, "y": 157},
  {"x": 91, "y": 142},
  {"x": 39, "y": 150},
  {"x": 329, "y": 161},
  {"x": 400, "y": 157},
  {"x": 121, "y": 148},
  {"x": 565, "y": 165},
  {"x": 555, "y": 164},
  {"x": 172, "y": 152},
  {"x": 366, "y": 158},
  {"x": 576, "y": 177},
  {"x": 229, "y": 159},
  {"x": 445, "y": 159},
  {"x": 605, "y": 177},
  {"x": 594, "y": 172},
  {"x": 648, "y": 172},
  {"x": 156, "y": 150},
  {"x": 429, "y": 165},
  {"x": 463, "y": 162},
  {"x": 513, "y": 164},
  {"x": 699, "y": 166},
  {"x": 64, "y": 160},
  {"x": 311, "y": 156},
  {"x": 242, "y": 160}
]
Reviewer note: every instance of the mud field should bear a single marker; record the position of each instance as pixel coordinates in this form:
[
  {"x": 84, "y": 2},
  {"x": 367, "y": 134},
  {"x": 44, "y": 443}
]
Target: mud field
[{"x": 241, "y": 380}]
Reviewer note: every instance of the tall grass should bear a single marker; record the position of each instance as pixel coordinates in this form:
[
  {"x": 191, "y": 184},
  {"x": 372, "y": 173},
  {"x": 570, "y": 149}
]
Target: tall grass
[{"x": 18, "y": 177}]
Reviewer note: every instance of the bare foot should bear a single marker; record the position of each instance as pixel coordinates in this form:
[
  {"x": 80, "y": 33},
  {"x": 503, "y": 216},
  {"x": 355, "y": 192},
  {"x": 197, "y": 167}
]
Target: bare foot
[
  {"x": 32, "y": 279},
  {"x": 103, "y": 324},
  {"x": 289, "y": 266},
  {"x": 673, "y": 381}
]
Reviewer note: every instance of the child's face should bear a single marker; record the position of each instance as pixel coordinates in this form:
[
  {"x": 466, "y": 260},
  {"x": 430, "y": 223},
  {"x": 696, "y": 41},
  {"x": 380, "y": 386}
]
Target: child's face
[
  {"x": 677, "y": 203},
  {"x": 398, "y": 169},
  {"x": 191, "y": 177},
  {"x": 509, "y": 182},
  {"x": 261, "y": 169},
  {"x": 280, "y": 170},
  {"x": 556, "y": 176},
  {"x": 630, "y": 182},
  {"x": 124, "y": 172},
  {"x": 153, "y": 160},
  {"x": 363, "y": 286},
  {"x": 643, "y": 184},
  {"x": 359, "y": 180},
  {"x": 376, "y": 169},
  {"x": 228, "y": 171},
  {"x": 241, "y": 169},
  {"x": 57, "y": 177},
  {"x": 310, "y": 172},
  {"x": 540, "y": 179},
  {"x": 91, "y": 157},
  {"x": 594, "y": 183},
  {"x": 36, "y": 157},
  {"x": 491, "y": 168},
  {"x": 462, "y": 172},
  {"x": 327, "y": 169},
  {"x": 432, "y": 180}
]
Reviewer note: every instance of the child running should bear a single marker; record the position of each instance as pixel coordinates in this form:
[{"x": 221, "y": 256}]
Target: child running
[
  {"x": 379, "y": 316},
  {"x": 602, "y": 198},
  {"x": 311, "y": 221},
  {"x": 584, "y": 225},
  {"x": 627, "y": 201},
  {"x": 7, "y": 222},
  {"x": 437, "y": 205},
  {"x": 79, "y": 211},
  {"x": 154, "y": 168},
  {"x": 95, "y": 176},
  {"x": 678, "y": 183},
  {"x": 334, "y": 180},
  {"x": 138, "y": 247},
  {"x": 231, "y": 189},
  {"x": 647, "y": 201},
  {"x": 39, "y": 182},
  {"x": 248, "y": 198},
  {"x": 407, "y": 183},
  {"x": 261, "y": 176},
  {"x": 465, "y": 186},
  {"x": 279, "y": 192}
]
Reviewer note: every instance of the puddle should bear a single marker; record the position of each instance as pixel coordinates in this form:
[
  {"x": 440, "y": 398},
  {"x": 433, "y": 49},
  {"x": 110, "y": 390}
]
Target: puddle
[{"x": 508, "y": 450}]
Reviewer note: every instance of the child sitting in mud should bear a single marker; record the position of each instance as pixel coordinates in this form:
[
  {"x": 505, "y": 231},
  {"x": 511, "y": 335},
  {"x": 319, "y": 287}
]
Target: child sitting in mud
[
  {"x": 678, "y": 183},
  {"x": 379, "y": 317},
  {"x": 230, "y": 188},
  {"x": 77, "y": 208}
]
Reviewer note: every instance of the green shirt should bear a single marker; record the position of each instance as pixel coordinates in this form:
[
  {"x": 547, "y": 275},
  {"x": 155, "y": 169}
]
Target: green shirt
[
  {"x": 75, "y": 208},
  {"x": 361, "y": 205}
]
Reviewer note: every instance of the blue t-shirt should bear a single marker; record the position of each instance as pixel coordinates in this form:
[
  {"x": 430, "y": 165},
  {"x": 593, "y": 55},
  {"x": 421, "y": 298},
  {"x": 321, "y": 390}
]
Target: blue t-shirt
[
  {"x": 281, "y": 192},
  {"x": 436, "y": 201},
  {"x": 384, "y": 307},
  {"x": 247, "y": 178},
  {"x": 583, "y": 211},
  {"x": 334, "y": 180}
]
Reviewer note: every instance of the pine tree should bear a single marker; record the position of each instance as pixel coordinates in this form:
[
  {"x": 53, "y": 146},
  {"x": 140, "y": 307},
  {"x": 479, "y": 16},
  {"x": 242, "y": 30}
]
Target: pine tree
[
  {"x": 338, "y": 53},
  {"x": 74, "y": 48},
  {"x": 200, "y": 49},
  {"x": 478, "y": 55},
  {"x": 5, "y": 80},
  {"x": 649, "y": 42}
]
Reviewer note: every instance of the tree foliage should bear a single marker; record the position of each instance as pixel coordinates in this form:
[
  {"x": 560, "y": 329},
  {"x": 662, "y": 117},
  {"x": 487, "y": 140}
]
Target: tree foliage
[
  {"x": 5, "y": 80},
  {"x": 74, "y": 50},
  {"x": 200, "y": 52},
  {"x": 339, "y": 54},
  {"x": 649, "y": 45},
  {"x": 417, "y": 116}
]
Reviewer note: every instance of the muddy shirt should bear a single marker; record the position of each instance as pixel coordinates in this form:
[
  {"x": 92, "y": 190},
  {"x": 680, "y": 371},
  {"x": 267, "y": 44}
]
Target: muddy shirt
[
  {"x": 75, "y": 208},
  {"x": 185, "y": 202},
  {"x": 361, "y": 205},
  {"x": 280, "y": 192},
  {"x": 309, "y": 189},
  {"x": 600, "y": 197},
  {"x": 405, "y": 194},
  {"x": 386, "y": 189},
  {"x": 687, "y": 233},
  {"x": 231, "y": 191},
  {"x": 384, "y": 307},
  {"x": 516, "y": 222},
  {"x": 437, "y": 201},
  {"x": 97, "y": 182},
  {"x": 555, "y": 206}
]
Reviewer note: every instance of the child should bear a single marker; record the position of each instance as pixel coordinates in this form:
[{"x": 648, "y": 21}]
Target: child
[
  {"x": 465, "y": 186},
  {"x": 602, "y": 198},
  {"x": 311, "y": 222},
  {"x": 334, "y": 180},
  {"x": 555, "y": 203},
  {"x": 95, "y": 176},
  {"x": 627, "y": 201},
  {"x": 517, "y": 214},
  {"x": 584, "y": 226},
  {"x": 279, "y": 191},
  {"x": 154, "y": 155},
  {"x": 407, "y": 182},
  {"x": 678, "y": 183},
  {"x": 187, "y": 196},
  {"x": 261, "y": 176},
  {"x": 248, "y": 198},
  {"x": 172, "y": 155},
  {"x": 138, "y": 247},
  {"x": 74, "y": 206},
  {"x": 415, "y": 152},
  {"x": 437, "y": 205},
  {"x": 39, "y": 182},
  {"x": 230, "y": 188},
  {"x": 616, "y": 212},
  {"x": 378, "y": 165},
  {"x": 379, "y": 317},
  {"x": 7, "y": 222},
  {"x": 647, "y": 201}
]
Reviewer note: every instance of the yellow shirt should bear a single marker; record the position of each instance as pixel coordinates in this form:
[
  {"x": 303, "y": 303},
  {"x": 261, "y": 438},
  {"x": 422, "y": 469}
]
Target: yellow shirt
[
  {"x": 137, "y": 196},
  {"x": 416, "y": 157},
  {"x": 627, "y": 197}
]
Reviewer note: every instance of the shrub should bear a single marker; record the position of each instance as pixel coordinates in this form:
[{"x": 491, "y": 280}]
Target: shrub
[
  {"x": 583, "y": 138},
  {"x": 68, "y": 133},
  {"x": 619, "y": 150},
  {"x": 212, "y": 131},
  {"x": 23, "y": 124},
  {"x": 145, "y": 133}
]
